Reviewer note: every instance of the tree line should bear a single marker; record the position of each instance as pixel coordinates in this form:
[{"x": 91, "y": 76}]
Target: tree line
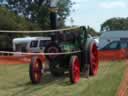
[
  {"x": 27, "y": 15},
  {"x": 34, "y": 15},
  {"x": 116, "y": 23}
]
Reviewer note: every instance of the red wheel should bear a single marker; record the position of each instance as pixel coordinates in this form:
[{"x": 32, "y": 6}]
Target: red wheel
[
  {"x": 35, "y": 70},
  {"x": 93, "y": 59},
  {"x": 74, "y": 69}
]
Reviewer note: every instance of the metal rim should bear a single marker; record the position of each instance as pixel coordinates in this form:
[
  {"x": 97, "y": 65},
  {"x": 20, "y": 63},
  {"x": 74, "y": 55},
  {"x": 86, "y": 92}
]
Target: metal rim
[
  {"x": 75, "y": 69},
  {"x": 94, "y": 59},
  {"x": 52, "y": 50}
]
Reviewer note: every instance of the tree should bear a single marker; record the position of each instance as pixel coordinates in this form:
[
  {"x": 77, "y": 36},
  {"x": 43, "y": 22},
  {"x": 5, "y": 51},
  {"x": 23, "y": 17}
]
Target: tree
[
  {"x": 92, "y": 31},
  {"x": 37, "y": 12},
  {"x": 64, "y": 8},
  {"x": 115, "y": 24},
  {"x": 10, "y": 21}
]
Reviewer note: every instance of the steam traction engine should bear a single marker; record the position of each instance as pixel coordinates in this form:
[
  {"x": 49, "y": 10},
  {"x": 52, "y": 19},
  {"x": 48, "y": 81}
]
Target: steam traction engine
[{"x": 69, "y": 50}]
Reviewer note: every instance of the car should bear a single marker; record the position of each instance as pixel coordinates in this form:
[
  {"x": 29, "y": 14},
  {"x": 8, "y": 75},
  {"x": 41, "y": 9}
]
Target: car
[
  {"x": 30, "y": 44},
  {"x": 115, "y": 50},
  {"x": 110, "y": 36}
]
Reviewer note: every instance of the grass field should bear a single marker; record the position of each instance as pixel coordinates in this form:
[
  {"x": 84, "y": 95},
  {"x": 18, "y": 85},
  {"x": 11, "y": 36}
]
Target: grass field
[{"x": 14, "y": 81}]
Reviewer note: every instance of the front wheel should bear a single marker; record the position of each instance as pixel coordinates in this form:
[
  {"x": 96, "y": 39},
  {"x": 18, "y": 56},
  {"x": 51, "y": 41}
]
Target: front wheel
[
  {"x": 74, "y": 69},
  {"x": 35, "y": 70}
]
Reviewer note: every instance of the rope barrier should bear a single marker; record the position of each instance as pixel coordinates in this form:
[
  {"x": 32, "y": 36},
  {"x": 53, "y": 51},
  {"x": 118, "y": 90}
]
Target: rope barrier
[
  {"x": 23, "y": 53},
  {"x": 45, "y": 31}
]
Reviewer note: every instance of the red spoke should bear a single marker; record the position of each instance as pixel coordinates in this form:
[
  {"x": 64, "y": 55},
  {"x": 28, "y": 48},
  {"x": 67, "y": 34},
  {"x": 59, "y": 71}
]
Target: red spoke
[
  {"x": 76, "y": 70},
  {"x": 37, "y": 71}
]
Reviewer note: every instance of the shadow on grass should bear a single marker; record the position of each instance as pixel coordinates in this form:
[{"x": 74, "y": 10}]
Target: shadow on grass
[
  {"x": 22, "y": 85},
  {"x": 47, "y": 81}
]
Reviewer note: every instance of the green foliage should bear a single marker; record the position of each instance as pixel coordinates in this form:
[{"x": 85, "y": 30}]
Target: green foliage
[
  {"x": 10, "y": 21},
  {"x": 64, "y": 7},
  {"x": 6, "y": 21},
  {"x": 32, "y": 10},
  {"x": 91, "y": 31},
  {"x": 37, "y": 12},
  {"x": 115, "y": 24}
]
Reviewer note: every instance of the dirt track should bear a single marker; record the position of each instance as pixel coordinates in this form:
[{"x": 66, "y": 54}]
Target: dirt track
[{"x": 123, "y": 88}]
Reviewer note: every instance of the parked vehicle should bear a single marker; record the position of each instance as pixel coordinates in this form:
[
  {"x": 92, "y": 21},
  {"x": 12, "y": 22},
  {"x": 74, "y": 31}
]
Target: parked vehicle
[
  {"x": 113, "y": 45},
  {"x": 30, "y": 44},
  {"x": 109, "y": 36}
]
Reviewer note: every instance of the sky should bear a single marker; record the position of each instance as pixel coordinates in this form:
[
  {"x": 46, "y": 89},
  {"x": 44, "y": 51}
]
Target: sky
[{"x": 95, "y": 12}]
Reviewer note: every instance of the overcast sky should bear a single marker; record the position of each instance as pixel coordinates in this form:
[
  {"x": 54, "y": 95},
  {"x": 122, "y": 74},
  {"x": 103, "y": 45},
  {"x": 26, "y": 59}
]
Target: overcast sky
[{"x": 95, "y": 12}]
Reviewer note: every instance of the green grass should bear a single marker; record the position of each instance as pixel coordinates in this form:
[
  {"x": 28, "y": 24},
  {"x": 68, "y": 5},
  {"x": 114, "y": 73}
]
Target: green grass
[{"x": 14, "y": 81}]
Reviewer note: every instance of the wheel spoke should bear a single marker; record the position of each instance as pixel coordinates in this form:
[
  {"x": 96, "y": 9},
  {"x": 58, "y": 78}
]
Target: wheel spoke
[
  {"x": 36, "y": 68},
  {"x": 36, "y": 76},
  {"x": 37, "y": 71},
  {"x": 76, "y": 70}
]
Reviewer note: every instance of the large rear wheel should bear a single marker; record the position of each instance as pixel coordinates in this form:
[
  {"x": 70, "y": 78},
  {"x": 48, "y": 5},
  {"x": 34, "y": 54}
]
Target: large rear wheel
[
  {"x": 93, "y": 58},
  {"x": 74, "y": 69},
  {"x": 35, "y": 70}
]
